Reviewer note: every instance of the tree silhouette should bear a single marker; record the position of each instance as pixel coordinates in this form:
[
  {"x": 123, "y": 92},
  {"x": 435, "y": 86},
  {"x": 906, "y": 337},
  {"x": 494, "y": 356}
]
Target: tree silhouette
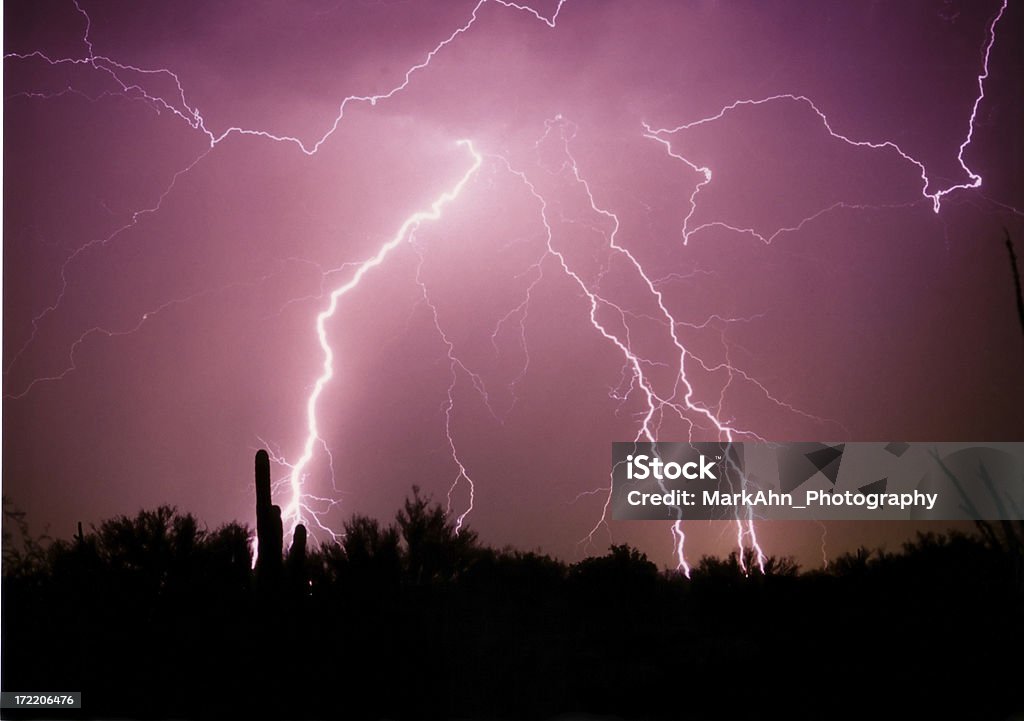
[
  {"x": 416, "y": 618},
  {"x": 435, "y": 551},
  {"x": 367, "y": 562},
  {"x": 25, "y": 555}
]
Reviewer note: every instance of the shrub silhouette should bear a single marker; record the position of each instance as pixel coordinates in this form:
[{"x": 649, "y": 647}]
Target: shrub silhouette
[
  {"x": 26, "y": 555},
  {"x": 367, "y": 562},
  {"x": 157, "y": 616},
  {"x": 369, "y": 546},
  {"x": 623, "y": 574},
  {"x": 434, "y": 550}
]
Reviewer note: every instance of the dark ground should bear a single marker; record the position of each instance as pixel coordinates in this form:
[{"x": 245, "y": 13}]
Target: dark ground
[{"x": 155, "y": 617}]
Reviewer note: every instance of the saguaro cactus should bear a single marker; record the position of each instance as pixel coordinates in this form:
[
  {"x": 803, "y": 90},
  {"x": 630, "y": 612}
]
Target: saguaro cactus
[{"x": 269, "y": 532}]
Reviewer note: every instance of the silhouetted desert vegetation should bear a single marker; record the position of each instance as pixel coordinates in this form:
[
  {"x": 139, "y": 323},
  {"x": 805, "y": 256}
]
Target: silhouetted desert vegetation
[{"x": 158, "y": 616}]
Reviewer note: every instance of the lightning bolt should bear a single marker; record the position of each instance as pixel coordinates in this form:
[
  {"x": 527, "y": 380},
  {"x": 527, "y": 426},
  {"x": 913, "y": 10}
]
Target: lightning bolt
[
  {"x": 680, "y": 398},
  {"x": 297, "y": 510}
]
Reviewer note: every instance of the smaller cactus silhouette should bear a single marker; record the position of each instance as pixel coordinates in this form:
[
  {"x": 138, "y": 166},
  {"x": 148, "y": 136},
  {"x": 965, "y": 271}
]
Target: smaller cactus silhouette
[{"x": 298, "y": 576}]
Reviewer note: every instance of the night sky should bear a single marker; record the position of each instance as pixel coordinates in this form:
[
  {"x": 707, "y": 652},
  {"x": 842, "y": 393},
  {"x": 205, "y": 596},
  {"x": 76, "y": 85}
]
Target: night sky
[{"x": 180, "y": 199}]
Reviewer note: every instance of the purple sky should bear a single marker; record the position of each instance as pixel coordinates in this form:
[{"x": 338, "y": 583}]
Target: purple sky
[{"x": 163, "y": 271}]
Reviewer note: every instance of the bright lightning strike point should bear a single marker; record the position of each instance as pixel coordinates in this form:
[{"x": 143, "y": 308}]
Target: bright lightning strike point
[{"x": 293, "y": 511}]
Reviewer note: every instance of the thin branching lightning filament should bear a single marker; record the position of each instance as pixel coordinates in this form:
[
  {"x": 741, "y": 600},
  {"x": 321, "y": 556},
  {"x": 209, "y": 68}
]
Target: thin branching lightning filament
[
  {"x": 654, "y": 403},
  {"x": 935, "y": 196}
]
